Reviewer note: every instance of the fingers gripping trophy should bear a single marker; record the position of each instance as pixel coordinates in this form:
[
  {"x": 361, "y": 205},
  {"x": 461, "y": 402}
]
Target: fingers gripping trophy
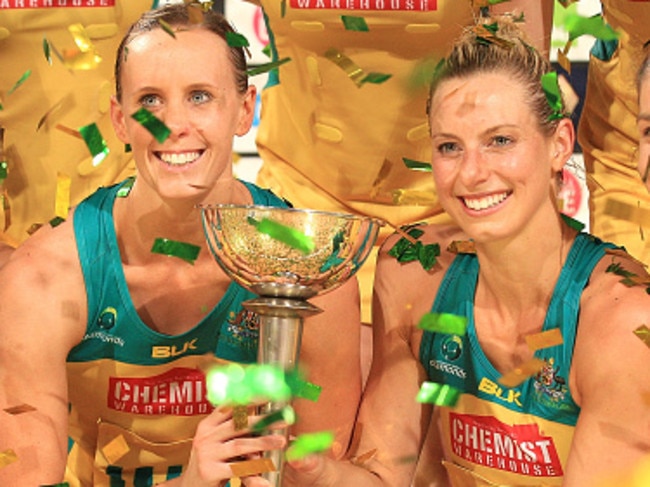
[{"x": 286, "y": 256}]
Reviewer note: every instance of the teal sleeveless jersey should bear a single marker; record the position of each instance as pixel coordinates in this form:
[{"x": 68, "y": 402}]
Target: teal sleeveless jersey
[
  {"x": 499, "y": 435},
  {"x": 136, "y": 396}
]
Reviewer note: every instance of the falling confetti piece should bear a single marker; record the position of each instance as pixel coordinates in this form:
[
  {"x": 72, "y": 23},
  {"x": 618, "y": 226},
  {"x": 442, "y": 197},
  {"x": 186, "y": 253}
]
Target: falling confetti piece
[
  {"x": 156, "y": 127},
  {"x": 438, "y": 394},
  {"x": 643, "y": 332},
  {"x": 115, "y": 449},
  {"x": 545, "y": 339},
  {"x": 309, "y": 443},
  {"x": 125, "y": 189},
  {"x": 21, "y": 409},
  {"x": 62, "y": 204},
  {"x": 551, "y": 88},
  {"x": 7, "y": 457},
  {"x": 443, "y": 323},
  {"x": 577, "y": 26},
  {"x": 354, "y": 23},
  {"x": 292, "y": 237},
  {"x": 95, "y": 143},
  {"x": 46, "y": 51},
  {"x": 235, "y": 39},
  {"x": 303, "y": 389},
  {"x": 252, "y": 467},
  {"x": 167, "y": 28},
  {"x": 407, "y": 251},
  {"x": 237, "y": 384},
  {"x": 56, "y": 221},
  {"x": 69, "y": 131},
  {"x": 185, "y": 251},
  {"x": 19, "y": 83},
  {"x": 354, "y": 72},
  {"x": 417, "y": 165},
  {"x": 375, "y": 78},
  {"x": 519, "y": 374},
  {"x": 572, "y": 222},
  {"x": 240, "y": 417},
  {"x": 285, "y": 414},
  {"x": 462, "y": 247},
  {"x": 265, "y": 68}
]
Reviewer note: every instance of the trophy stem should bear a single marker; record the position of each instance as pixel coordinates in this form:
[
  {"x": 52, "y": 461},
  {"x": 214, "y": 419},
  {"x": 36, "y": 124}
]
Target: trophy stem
[{"x": 280, "y": 336}]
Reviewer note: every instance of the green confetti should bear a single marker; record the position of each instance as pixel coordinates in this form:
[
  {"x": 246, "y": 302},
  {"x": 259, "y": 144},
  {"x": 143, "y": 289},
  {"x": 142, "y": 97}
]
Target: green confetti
[
  {"x": 234, "y": 39},
  {"x": 628, "y": 276},
  {"x": 265, "y": 68},
  {"x": 167, "y": 28},
  {"x": 290, "y": 236},
  {"x": 46, "y": 50},
  {"x": 496, "y": 2},
  {"x": 309, "y": 443},
  {"x": 438, "y": 394},
  {"x": 185, "y": 251},
  {"x": 239, "y": 384},
  {"x": 303, "y": 389},
  {"x": 283, "y": 8},
  {"x": 286, "y": 414},
  {"x": 126, "y": 187},
  {"x": 443, "y": 323},
  {"x": 22, "y": 79},
  {"x": 406, "y": 251},
  {"x": 156, "y": 127},
  {"x": 357, "y": 24},
  {"x": 375, "y": 78},
  {"x": 3, "y": 170},
  {"x": 266, "y": 50},
  {"x": 417, "y": 165},
  {"x": 62, "y": 484},
  {"x": 56, "y": 221},
  {"x": 573, "y": 223},
  {"x": 595, "y": 26},
  {"x": 95, "y": 142},
  {"x": 553, "y": 95}
]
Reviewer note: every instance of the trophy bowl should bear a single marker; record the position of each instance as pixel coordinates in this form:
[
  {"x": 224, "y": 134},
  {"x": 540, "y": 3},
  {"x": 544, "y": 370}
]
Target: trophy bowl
[{"x": 287, "y": 252}]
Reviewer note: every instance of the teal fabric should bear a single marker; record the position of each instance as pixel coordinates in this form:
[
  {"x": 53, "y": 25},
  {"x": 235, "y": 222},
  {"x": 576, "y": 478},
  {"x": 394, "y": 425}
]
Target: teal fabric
[
  {"x": 115, "y": 330},
  {"x": 460, "y": 362}
]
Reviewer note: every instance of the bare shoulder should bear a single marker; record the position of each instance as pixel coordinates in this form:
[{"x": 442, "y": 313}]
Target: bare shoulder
[
  {"x": 43, "y": 278},
  {"x": 614, "y": 309},
  {"x": 408, "y": 266}
]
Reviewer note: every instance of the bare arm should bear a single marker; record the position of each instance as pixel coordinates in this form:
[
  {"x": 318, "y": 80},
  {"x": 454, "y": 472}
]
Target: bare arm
[
  {"x": 391, "y": 424},
  {"x": 330, "y": 354},
  {"x": 610, "y": 377},
  {"x": 38, "y": 326}
]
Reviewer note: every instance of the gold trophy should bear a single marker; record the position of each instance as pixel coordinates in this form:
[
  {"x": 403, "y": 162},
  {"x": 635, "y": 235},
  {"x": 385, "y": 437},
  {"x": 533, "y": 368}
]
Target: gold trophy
[{"x": 286, "y": 256}]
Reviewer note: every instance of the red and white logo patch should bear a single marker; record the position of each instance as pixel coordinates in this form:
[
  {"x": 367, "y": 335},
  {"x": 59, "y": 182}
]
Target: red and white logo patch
[
  {"x": 519, "y": 449},
  {"x": 178, "y": 392},
  {"x": 19, "y": 4},
  {"x": 361, "y": 5}
]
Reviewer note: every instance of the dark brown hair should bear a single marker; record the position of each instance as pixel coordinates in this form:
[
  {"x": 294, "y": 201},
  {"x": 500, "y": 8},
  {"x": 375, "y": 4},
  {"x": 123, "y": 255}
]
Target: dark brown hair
[{"x": 179, "y": 17}]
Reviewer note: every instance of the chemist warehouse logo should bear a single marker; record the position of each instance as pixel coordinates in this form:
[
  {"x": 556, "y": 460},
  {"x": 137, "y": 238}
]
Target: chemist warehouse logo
[
  {"x": 178, "y": 392},
  {"x": 519, "y": 449},
  {"x": 16, "y": 4},
  {"x": 385, "y": 5}
]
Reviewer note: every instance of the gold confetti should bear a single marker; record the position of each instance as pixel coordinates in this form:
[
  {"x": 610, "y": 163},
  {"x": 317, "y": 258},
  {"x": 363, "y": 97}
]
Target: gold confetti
[
  {"x": 240, "y": 417},
  {"x": 462, "y": 247},
  {"x": 413, "y": 197},
  {"x": 115, "y": 449},
  {"x": 644, "y": 334},
  {"x": 252, "y": 467},
  {"x": 545, "y": 339},
  {"x": 7, "y": 457},
  {"x": 563, "y": 61},
  {"x": 354, "y": 72},
  {"x": 69, "y": 131},
  {"x": 625, "y": 211},
  {"x": 361, "y": 460},
  {"x": 62, "y": 205},
  {"x": 20, "y": 409},
  {"x": 519, "y": 374}
]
